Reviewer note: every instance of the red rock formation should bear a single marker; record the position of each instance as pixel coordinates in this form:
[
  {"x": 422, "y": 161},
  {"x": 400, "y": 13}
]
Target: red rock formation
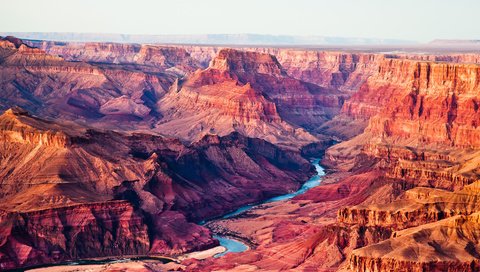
[
  {"x": 301, "y": 233},
  {"x": 424, "y": 113},
  {"x": 422, "y": 132},
  {"x": 454, "y": 57},
  {"x": 330, "y": 69},
  {"x": 50, "y": 170},
  {"x": 71, "y": 232},
  {"x": 446, "y": 245},
  {"x": 407, "y": 103},
  {"x": 121, "y": 86},
  {"x": 52, "y": 87},
  {"x": 215, "y": 101},
  {"x": 97, "y": 193},
  {"x": 417, "y": 207},
  {"x": 441, "y": 97},
  {"x": 163, "y": 58},
  {"x": 298, "y": 102}
]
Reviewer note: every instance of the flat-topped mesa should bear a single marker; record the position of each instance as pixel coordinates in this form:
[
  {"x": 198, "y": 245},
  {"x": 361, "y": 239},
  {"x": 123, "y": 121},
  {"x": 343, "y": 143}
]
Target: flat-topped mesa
[
  {"x": 16, "y": 125},
  {"x": 164, "y": 58},
  {"x": 37, "y": 60},
  {"x": 329, "y": 69},
  {"x": 454, "y": 58},
  {"x": 237, "y": 61}
]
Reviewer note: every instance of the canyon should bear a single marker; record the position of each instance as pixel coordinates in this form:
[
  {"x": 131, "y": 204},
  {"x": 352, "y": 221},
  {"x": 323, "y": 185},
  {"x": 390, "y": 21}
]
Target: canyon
[{"x": 111, "y": 150}]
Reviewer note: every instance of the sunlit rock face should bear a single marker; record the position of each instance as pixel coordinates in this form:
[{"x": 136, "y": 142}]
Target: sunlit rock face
[
  {"x": 410, "y": 199},
  {"x": 233, "y": 94},
  {"x": 110, "y": 193},
  {"x": 422, "y": 132},
  {"x": 423, "y": 121},
  {"x": 125, "y": 86}
]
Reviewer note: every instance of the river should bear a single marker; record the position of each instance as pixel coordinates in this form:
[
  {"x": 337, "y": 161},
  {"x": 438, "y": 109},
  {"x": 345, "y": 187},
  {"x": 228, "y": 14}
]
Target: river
[{"x": 234, "y": 245}]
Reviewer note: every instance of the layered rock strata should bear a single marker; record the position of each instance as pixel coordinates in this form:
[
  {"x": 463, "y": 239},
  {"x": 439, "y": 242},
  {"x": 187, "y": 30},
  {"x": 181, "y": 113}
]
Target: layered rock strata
[{"x": 100, "y": 193}]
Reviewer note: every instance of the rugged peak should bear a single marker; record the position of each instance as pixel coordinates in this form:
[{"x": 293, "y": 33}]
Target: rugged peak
[
  {"x": 237, "y": 61},
  {"x": 17, "y": 125},
  {"x": 16, "y": 111},
  {"x": 14, "y": 40},
  {"x": 11, "y": 42}
]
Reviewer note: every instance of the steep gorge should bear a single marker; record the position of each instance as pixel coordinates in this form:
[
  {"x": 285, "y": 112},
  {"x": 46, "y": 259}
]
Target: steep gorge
[
  {"x": 404, "y": 195},
  {"x": 235, "y": 123},
  {"x": 110, "y": 193}
]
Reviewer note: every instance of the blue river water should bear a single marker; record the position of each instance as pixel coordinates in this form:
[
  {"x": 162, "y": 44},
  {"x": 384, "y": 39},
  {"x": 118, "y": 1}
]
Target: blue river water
[{"x": 233, "y": 245}]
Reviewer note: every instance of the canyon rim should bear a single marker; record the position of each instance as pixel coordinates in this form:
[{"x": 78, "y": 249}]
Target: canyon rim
[{"x": 291, "y": 150}]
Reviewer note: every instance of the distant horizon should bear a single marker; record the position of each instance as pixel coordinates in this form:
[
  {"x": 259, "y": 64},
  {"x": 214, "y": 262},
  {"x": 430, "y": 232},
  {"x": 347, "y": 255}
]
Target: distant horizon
[
  {"x": 407, "y": 20},
  {"x": 291, "y": 39}
]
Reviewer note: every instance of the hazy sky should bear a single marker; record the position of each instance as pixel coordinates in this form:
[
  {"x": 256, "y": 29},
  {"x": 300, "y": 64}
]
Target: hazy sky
[{"x": 420, "y": 20}]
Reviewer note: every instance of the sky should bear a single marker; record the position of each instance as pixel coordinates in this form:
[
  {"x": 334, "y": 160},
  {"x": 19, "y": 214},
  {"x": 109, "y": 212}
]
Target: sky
[{"x": 416, "y": 20}]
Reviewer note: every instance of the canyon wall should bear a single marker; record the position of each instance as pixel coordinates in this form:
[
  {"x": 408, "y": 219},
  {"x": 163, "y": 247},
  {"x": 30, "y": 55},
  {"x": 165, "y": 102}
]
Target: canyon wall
[
  {"x": 148, "y": 139},
  {"x": 125, "y": 193},
  {"x": 165, "y": 58},
  {"x": 71, "y": 232},
  {"x": 405, "y": 192},
  {"x": 421, "y": 131},
  {"x": 111, "y": 85},
  {"x": 50, "y": 86},
  {"x": 247, "y": 92}
]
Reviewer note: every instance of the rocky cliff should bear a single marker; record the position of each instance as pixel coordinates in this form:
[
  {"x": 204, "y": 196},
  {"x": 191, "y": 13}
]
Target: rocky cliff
[
  {"x": 163, "y": 58},
  {"x": 71, "y": 232},
  {"x": 228, "y": 97},
  {"x": 111, "y": 193},
  {"x": 424, "y": 121},
  {"x": 447, "y": 245},
  {"x": 421, "y": 132},
  {"x": 405, "y": 195},
  {"x": 401, "y": 195},
  {"x": 438, "y": 103},
  {"x": 108, "y": 95}
]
